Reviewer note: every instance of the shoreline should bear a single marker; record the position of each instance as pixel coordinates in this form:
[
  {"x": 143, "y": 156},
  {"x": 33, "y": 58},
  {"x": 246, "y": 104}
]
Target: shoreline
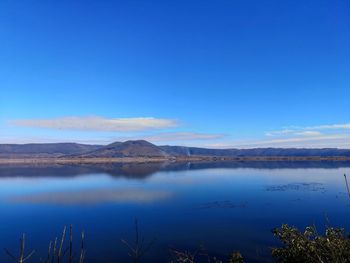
[{"x": 57, "y": 160}]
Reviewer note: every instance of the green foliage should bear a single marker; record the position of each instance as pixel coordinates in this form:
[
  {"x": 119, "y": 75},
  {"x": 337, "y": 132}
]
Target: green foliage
[
  {"x": 309, "y": 246},
  {"x": 297, "y": 247},
  {"x": 236, "y": 257}
]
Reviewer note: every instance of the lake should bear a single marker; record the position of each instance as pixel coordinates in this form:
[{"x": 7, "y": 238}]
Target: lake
[{"x": 208, "y": 208}]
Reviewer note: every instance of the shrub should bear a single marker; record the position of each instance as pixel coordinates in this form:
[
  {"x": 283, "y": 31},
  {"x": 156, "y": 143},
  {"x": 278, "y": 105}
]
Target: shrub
[{"x": 309, "y": 246}]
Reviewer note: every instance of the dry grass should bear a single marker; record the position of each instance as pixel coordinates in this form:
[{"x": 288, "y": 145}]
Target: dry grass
[
  {"x": 138, "y": 248},
  {"x": 57, "y": 252}
]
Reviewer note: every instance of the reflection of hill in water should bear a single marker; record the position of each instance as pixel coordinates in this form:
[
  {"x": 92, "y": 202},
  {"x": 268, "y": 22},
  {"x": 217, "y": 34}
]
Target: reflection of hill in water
[
  {"x": 272, "y": 164},
  {"x": 144, "y": 170},
  {"x": 128, "y": 170}
]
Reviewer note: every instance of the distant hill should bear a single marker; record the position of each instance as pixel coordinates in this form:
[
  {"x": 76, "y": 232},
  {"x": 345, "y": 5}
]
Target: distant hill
[
  {"x": 141, "y": 148},
  {"x": 138, "y": 148},
  {"x": 44, "y": 149},
  {"x": 255, "y": 152}
]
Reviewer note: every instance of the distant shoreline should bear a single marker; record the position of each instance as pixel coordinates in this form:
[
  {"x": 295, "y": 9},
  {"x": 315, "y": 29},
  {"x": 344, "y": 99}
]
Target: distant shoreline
[
  {"x": 92, "y": 160},
  {"x": 141, "y": 151}
]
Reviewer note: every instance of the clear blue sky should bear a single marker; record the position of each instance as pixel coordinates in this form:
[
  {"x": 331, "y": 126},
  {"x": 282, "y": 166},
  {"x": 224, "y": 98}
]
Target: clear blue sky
[{"x": 232, "y": 73}]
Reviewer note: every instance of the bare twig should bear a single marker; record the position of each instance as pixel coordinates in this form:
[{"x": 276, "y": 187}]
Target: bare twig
[
  {"x": 54, "y": 250},
  {"x": 183, "y": 256},
  {"x": 22, "y": 258},
  {"x": 61, "y": 245},
  {"x": 70, "y": 244},
  {"x": 49, "y": 252},
  {"x": 82, "y": 249},
  {"x": 138, "y": 249}
]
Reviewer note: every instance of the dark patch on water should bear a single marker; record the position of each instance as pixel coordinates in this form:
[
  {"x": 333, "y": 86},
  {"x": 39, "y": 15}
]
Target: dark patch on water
[
  {"x": 145, "y": 170},
  {"x": 341, "y": 195},
  {"x": 314, "y": 187},
  {"x": 222, "y": 204}
]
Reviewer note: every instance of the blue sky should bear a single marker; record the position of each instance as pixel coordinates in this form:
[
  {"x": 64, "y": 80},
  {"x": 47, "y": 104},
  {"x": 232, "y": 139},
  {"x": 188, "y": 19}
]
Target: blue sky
[{"x": 239, "y": 73}]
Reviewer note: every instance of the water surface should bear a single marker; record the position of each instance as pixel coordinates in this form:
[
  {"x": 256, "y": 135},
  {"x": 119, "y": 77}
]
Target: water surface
[{"x": 215, "y": 207}]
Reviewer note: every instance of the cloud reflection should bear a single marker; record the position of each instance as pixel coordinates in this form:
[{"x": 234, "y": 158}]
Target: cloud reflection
[{"x": 92, "y": 197}]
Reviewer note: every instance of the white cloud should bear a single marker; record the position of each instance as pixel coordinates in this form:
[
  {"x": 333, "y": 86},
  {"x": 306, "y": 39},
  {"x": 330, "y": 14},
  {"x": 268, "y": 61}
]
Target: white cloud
[
  {"x": 281, "y": 132},
  {"x": 292, "y": 132},
  {"x": 304, "y": 139},
  {"x": 319, "y": 141},
  {"x": 308, "y": 130},
  {"x": 47, "y": 139},
  {"x": 157, "y": 138},
  {"x": 345, "y": 126},
  {"x": 174, "y": 137},
  {"x": 333, "y": 135},
  {"x": 96, "y": 123},
  {"x": 308, "y": 133}
]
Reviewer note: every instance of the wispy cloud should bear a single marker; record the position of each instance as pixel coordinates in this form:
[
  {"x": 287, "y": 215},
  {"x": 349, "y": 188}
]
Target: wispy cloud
[
  {"x": 293, "y": 132},
  {"x": 330, "y": 135},
  {"x": 320, "y": 136},
  {"x": 306, "y": 139},
  {"x": 308, "y": 130},
  {"x": 96, "y": 123},
  {"x": 308, "y": 133},
  {"x": 341, "y": 126},
  {"x": 279, "y": 132},
  {"x": 175, "y": 137},
  {"x": 319, "y": 141},
  {"x": 157, "y": 138}
]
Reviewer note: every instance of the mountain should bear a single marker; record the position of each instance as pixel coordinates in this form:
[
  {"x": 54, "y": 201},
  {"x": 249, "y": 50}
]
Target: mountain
[
  {"x": 255, "y": 152},
  {"x": 141, "y": 148},
  {"x": 44, "y": 149}
]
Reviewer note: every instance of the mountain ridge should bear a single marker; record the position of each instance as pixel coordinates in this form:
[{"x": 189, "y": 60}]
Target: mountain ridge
[
  {"x": 136, "y": 148},
  {"x": 44, "y": 149},
  {"x": 142, "y": 148}
]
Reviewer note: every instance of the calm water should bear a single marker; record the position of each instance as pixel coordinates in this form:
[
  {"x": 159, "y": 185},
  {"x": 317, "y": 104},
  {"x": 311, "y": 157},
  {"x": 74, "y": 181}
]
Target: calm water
[{"x": 216, "y": 207}]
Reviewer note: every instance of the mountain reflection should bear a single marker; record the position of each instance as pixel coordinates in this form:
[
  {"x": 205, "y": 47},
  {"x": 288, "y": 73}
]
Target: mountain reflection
[{"x": 144, "y": 170}]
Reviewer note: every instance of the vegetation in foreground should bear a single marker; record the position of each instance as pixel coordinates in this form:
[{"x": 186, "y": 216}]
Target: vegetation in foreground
[
  {"x": 58, "y": 251},
  {"x": 310, "y": 246},
  {"x": 296, "y": 247}
]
